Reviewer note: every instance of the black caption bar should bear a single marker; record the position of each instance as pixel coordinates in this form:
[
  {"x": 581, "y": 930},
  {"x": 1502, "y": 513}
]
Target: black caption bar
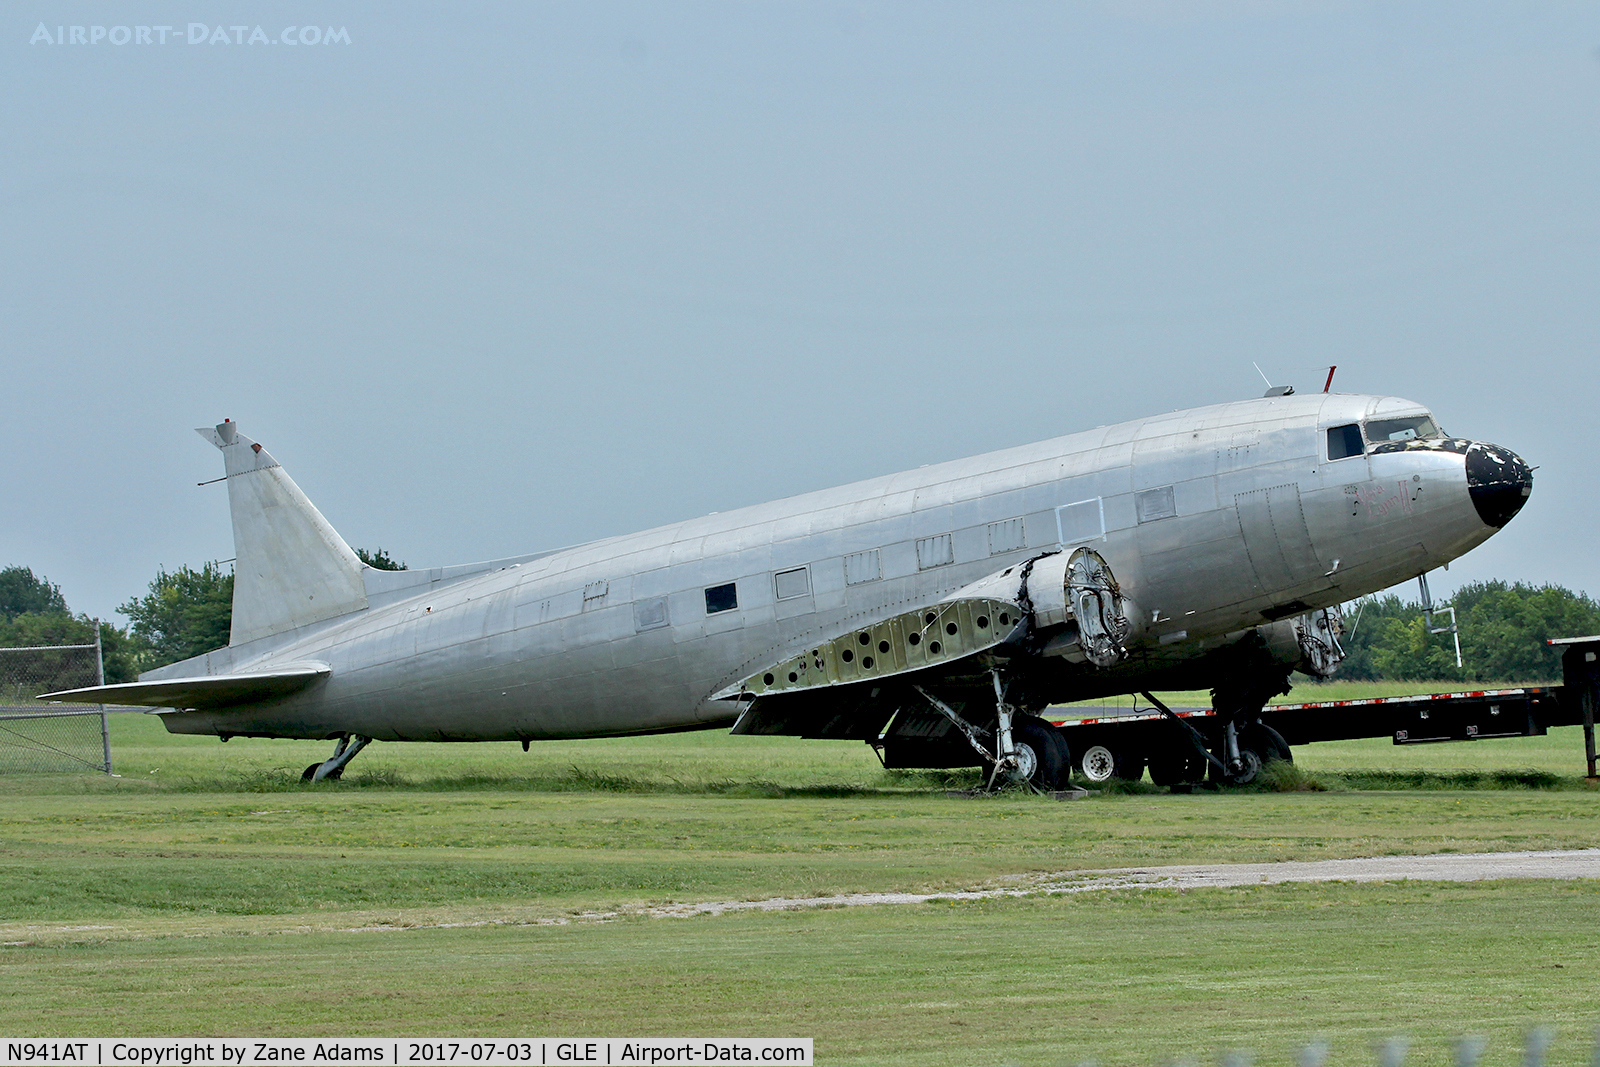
[{"x": 402, "y": 1052}]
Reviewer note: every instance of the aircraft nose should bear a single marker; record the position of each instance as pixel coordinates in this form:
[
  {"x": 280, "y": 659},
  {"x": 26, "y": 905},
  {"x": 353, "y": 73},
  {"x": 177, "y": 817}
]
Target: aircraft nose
[{"x": 1499, "y": 482}]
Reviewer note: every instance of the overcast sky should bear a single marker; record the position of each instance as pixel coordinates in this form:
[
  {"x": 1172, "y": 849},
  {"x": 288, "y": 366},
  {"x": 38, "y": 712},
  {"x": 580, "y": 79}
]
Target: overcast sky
[{"x": 499, "y": 279}]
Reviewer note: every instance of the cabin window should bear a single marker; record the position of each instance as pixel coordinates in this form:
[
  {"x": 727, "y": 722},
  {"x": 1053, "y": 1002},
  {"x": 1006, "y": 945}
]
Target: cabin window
[
  {"x": 1153, "y": 504},
  {"x": 1407, "y": 429},
  {"x": 1082, "y": 521},
  {"x": 935, "y": 552},
  {"x": 1344, "y": 441},
  {"x": 792, "y": 584},
  {"x": 721, "y": 598},
  {"x": 650, "y": 614},
  {"x": 862, "y": 567}
]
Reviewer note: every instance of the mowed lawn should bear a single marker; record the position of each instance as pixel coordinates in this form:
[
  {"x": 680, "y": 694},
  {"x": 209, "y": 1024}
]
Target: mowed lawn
[{"x": 455, "y": 889}]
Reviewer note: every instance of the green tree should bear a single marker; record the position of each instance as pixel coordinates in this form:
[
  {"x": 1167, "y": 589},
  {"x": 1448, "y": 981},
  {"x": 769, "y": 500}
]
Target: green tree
[
  {"x": 120, "y": 651},
  {"x": 33, "y": 612},
  {"x": 1503, "y": 632},
  {"x": 23, "y": 594},
  {"x": 378, "y": 559},
  {"x": 1504, "y": 628},
  {"x": 186, "y": 613}
]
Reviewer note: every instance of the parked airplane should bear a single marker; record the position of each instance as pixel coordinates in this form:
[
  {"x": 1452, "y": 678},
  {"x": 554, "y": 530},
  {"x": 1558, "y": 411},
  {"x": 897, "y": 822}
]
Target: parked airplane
[{"x": 932, "y": 613}]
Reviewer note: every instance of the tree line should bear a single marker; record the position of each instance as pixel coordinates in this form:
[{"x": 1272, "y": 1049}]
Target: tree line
[
  {"x": 1503, "y": 631},
  {"x": 186, "y": 612},
  {"x": 1503, "y": 626}
]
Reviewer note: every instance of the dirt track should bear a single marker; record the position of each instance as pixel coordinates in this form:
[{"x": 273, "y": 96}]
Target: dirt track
[{"x": 1473, "y": 867}]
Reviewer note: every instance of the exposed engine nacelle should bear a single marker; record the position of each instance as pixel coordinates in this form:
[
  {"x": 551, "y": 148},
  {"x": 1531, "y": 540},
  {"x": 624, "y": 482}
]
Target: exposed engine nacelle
[
  {"x": 1310, "y": 642},
  {"x": 1073, "y": 600}
]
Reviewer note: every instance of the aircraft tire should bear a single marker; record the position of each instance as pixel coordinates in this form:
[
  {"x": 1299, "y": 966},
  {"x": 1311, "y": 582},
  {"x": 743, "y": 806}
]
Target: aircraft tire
[
  {"x": 1253, "y": 761},
  {"x": 1059, "y": 739},
  {"x": 1049, "y": 748},
  {"x": 1272, "y": 745}
]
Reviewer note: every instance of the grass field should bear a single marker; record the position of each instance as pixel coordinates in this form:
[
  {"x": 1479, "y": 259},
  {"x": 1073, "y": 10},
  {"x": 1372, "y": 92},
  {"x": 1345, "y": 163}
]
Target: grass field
[{"x": 445, "y": 889}]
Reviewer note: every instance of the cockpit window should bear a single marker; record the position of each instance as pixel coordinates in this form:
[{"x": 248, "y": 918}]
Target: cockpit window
[
  {"x": 1344, "y": 441},
  {"x": 1406, "y": 429}
]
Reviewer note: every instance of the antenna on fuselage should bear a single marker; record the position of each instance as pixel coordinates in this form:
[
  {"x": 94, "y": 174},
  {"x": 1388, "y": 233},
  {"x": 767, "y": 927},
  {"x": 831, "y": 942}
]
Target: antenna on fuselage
[
  {"x": 1327, "y": 385},
  {"x": 1272, "y": 390}
]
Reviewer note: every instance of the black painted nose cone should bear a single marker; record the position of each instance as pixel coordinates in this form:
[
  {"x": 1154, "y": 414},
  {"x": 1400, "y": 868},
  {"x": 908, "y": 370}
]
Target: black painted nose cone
[{"x": 1499, "y": 482}]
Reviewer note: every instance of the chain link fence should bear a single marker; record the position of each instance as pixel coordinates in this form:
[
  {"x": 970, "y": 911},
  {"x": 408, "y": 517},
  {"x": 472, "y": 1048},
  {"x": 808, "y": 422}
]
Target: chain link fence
[{"x": 40, "y": 738}]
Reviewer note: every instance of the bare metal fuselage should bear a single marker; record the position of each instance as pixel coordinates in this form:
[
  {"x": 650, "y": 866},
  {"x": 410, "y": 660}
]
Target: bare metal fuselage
[{"x": 1214, "y": 520}]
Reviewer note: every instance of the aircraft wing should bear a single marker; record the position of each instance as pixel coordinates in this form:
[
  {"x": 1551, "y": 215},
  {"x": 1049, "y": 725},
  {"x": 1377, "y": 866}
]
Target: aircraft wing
[
  {"x": 847, "y": 686},
  {"x": 201, "y": 692}
]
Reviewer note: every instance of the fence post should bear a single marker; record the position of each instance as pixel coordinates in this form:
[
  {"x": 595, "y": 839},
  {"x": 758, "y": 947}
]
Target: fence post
[{"x": 100, "y": 674}]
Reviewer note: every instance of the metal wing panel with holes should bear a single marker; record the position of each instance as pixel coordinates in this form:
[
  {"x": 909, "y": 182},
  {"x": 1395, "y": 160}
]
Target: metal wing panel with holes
[{"x": 848, "y": 686}]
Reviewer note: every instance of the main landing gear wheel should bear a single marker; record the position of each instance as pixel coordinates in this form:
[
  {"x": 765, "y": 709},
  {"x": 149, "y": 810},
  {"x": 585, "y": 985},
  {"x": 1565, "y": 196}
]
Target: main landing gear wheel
[
  {"x": 1042, "y": 755},
  {"x": 311, "y": 771},
  {"x": 1270, "y": 743},
  {"x": 1250, "y": 764},
  {"x": 1258, "y": 745}
]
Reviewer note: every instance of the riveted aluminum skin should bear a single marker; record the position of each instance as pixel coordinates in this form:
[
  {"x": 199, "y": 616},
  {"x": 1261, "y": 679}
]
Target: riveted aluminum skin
[{"x": 1211, "y": 521}]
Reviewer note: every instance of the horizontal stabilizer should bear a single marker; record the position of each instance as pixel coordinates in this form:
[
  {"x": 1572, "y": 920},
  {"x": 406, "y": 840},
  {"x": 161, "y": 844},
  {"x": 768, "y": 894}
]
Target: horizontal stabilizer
[{"x": 202, "y": 692}]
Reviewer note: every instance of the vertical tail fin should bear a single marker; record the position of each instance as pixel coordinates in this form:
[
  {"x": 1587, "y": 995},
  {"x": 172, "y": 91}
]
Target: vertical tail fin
[{"x": 291, "y": 568}]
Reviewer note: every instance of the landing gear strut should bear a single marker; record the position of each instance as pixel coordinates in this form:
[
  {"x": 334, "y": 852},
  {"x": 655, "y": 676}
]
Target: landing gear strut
[
  {"x": 1247, "y": 742},
  {"x": 333, "y": 767},
  {"x": 1027, "y": 749}
]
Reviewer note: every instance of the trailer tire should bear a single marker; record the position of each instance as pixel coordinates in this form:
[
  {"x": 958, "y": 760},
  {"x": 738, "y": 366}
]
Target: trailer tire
[
  {"x": 1101, "y": 764},
  {"x": 1174, "y": 766}
]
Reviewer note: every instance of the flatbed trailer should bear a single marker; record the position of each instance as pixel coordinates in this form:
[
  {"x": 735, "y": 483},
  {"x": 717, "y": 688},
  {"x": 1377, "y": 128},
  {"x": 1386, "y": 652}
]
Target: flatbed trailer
[
  {"x": 1115, "y": 742},
  {"x": 1187, "y": 744}
]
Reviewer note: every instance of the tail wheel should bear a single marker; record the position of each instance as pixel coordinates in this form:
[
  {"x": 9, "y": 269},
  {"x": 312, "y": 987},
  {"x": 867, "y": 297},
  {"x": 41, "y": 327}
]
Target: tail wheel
[{"x": 1042, "y": 755}]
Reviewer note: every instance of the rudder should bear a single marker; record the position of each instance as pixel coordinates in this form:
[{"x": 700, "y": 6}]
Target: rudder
[{"x": 291, "y": 567}]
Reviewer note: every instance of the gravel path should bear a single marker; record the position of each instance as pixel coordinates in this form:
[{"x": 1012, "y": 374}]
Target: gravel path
[
  {"x": 1449, "y": 867},
  {"x": 1576, "y": 863}
]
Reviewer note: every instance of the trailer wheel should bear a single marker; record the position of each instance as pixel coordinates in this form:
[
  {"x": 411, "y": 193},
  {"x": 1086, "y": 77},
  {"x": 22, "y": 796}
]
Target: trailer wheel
[
  {"x": 1101, "y": 764},
  {"x": 1174, "y": 766}
]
